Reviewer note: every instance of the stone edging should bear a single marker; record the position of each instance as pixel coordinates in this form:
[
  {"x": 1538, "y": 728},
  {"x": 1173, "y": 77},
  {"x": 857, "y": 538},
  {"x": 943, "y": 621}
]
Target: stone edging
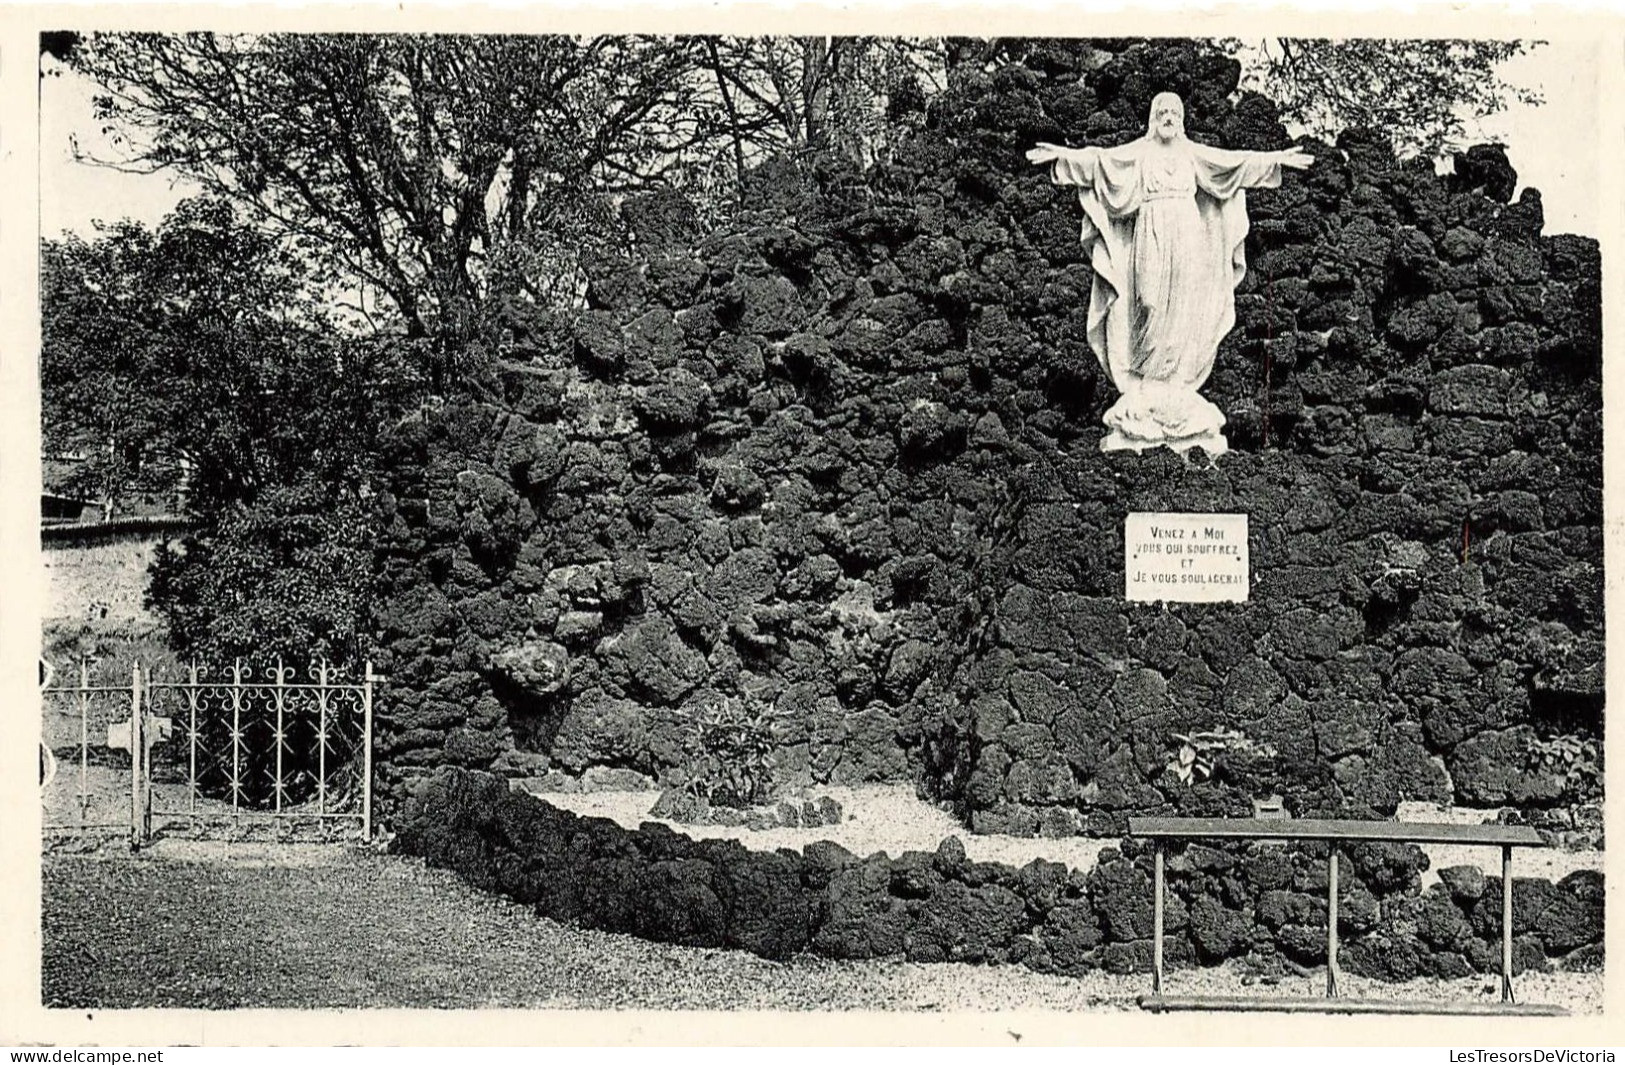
[{"x": 1259, "y": 902}]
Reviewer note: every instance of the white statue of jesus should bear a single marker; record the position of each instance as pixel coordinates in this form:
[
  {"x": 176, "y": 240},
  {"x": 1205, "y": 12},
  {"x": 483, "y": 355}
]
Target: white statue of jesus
[{"x": 1165, "y": 222}]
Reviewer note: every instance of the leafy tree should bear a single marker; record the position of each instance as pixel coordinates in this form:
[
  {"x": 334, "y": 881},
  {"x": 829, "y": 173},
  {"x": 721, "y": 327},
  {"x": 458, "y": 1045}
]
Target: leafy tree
[
  {"x": 59, "y": 44},
  {"x": 280, "y": 563},
  {"x": 148, "y": 343},
  {"x": 197, "y": 347},
  {"x": 287, "y": 576},
  {"x": 447, "y": 174},
  {"x": 424, "y": 168},
  {"x": 806, "y": 94},
  {"x": 1425, "y": 94}
]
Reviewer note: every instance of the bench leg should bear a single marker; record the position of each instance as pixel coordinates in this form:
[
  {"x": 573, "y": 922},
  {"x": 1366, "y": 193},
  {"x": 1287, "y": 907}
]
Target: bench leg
[
  {"x": 1331, "y": 925},
  {"x": 1156, "y": 917},
  {"x": 1506, "y": 925}
]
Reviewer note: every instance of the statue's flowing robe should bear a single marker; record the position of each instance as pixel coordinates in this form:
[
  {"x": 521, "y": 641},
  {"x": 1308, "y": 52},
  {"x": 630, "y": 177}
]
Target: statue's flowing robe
[{"x": 1166, "y": 227}]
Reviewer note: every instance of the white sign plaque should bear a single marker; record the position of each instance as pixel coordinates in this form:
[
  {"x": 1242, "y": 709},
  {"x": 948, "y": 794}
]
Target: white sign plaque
[{"x": 1185, "y": 558}]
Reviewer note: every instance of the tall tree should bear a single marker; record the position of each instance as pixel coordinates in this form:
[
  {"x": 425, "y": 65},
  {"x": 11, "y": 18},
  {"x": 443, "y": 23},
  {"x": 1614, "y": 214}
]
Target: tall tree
[
  {"x": 421, "y": 167},
  {"x": 1425, "y": 94},
  {"x": 156, "y": 345},
  {"x": 197, "y": 348},
  {"x": 808, "y": 94}
]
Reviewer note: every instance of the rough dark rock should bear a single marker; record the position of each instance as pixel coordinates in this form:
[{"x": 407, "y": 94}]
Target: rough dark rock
[
  {"x": 1465, "y": 882},
  {"x": 941, "y": 907},
  {"x": 852, "y": 434},
  {"x": 539, "y": 667}
]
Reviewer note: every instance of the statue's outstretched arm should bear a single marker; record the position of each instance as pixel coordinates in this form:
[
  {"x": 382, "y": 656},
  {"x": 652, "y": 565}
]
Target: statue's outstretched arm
[
  {"x": 1222, "y": 172},
  {"x": 1075, "y": 174},
  {"x": 1294, "y": 158}
]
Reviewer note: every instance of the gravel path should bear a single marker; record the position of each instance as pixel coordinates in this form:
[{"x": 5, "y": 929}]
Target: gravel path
[
  {"x": 893, "y": 819},
  {"x": 1548, "y": 862},
  {"x": 888, "y": 818},
  {"x": 217, "y": 926}
]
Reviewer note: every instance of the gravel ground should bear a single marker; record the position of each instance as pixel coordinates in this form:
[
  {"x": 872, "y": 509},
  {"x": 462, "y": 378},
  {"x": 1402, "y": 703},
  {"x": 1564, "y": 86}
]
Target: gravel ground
[
  {"x": 211, "y": 925},
  {"x": 888, "y": 818},
  {"x": 893, "y": 819},
  {"x": 1548, "y": 862}
]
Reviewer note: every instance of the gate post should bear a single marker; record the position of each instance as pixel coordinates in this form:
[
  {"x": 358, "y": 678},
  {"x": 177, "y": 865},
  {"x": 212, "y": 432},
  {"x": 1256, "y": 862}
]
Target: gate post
[
  {"x": 236, "y": 737},
  {"x": 1506, "y": 923},
  {"x": 84, "y": 741},
  {"x": 136, "y": 745},
  {"x": 366, "y": 757},
  {"x": 277, "y": 737},
  {"x": 1331, "y": 923}
]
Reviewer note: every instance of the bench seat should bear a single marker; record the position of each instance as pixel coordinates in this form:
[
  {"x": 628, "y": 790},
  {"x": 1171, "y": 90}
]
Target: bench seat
[{"x": 1162, "y": 830}]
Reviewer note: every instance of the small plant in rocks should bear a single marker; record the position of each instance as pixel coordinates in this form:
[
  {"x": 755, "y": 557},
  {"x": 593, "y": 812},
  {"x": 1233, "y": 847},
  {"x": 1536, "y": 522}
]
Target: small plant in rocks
[
  {"x": 730, "y": 747},
  {"x": 1214, "y": 755}
]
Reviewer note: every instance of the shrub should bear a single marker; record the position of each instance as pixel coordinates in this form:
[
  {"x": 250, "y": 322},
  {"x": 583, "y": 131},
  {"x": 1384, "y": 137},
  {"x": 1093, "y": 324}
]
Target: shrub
[
  {"x": 1216, "y": 754},
  {"x": 730, "y": 748}
]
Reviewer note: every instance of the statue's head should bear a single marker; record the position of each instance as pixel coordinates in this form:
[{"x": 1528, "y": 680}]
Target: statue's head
[{"x": 1167, "y": 120}]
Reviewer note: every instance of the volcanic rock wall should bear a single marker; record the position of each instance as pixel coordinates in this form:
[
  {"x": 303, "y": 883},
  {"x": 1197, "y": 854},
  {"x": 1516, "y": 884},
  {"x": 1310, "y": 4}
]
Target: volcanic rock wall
[{"x": 840, "y": 458}]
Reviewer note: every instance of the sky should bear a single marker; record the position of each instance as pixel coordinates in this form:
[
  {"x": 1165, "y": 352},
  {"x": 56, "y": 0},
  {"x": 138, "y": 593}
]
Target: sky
[
  {"x": 1554, "y": 147},
  {"x": 1557, "y": 146},
  {"x": 75, "y": 194}
]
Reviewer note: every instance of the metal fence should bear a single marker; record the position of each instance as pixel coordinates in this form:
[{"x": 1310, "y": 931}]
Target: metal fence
[
  {"x": 202, "y": 753},
  {"x": 80, "y": 790}
]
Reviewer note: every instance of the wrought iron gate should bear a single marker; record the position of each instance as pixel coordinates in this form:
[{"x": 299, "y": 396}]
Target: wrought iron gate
[{"x": 273, "y": 757}]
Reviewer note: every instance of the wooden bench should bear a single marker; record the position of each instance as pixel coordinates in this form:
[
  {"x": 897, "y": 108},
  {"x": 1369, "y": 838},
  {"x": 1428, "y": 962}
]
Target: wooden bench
[{"x": 1160, "y": 830}]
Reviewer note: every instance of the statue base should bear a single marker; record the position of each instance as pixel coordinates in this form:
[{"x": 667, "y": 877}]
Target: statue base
[
  {"x": 1213, "y": 442},
  {"x": 1156, "y": 414}
]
